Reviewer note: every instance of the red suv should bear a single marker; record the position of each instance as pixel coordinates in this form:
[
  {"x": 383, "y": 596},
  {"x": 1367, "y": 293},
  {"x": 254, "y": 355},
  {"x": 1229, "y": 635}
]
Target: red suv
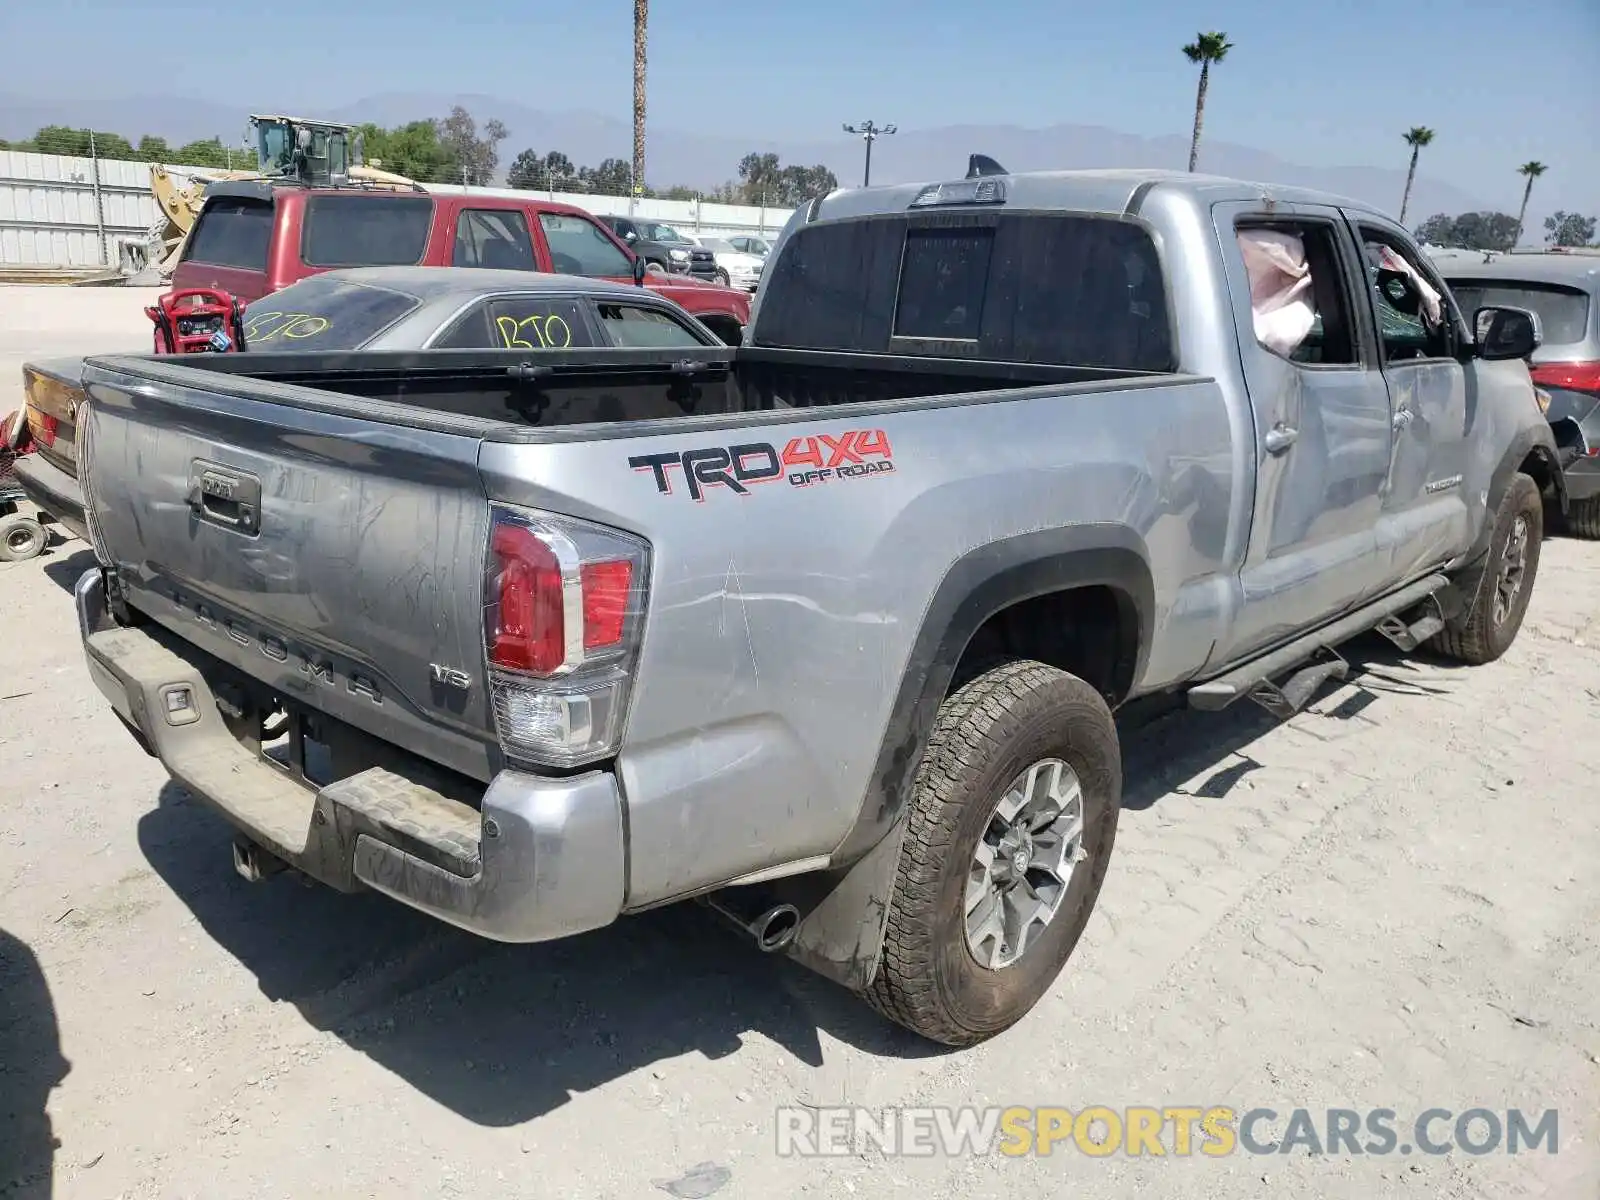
[{"x": 253, "y": 238}]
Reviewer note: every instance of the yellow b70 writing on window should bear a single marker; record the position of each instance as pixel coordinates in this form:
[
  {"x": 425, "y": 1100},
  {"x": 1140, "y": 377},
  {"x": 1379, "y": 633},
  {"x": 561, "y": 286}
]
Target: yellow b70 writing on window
[
  {"x": 268, "y": 326},
  {"x": 538, "y": 332}
]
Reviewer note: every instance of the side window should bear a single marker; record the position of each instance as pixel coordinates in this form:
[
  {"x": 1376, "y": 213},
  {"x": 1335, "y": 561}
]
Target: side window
[
  {"x": 493, "y": 237},
  {"x": 1414, "y": 317},
  {"x": 633, "y": 325},
  {"x": 538, "y": 323},
  {"x": 519, "y": 323},
  {"x": 1299, "y": 295},
  {"x": 580, "y": 247}
]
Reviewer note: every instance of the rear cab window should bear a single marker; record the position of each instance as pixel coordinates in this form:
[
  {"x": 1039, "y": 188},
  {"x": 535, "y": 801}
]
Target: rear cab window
[
  {"x": 378, "y": 229},
  {"x": 322, "y": 313},
  {"x": 1563, "y": 311},
  {"x": 1067, "y": 289},
  {"x": 233, "y": 231}
]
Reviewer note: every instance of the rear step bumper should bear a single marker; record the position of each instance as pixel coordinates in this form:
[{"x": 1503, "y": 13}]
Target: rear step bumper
[{"x": 544, "y": 858}]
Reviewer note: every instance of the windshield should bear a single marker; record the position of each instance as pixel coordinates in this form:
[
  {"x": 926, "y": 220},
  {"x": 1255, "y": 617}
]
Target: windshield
[
  {"x": 1564, "y": 312},
  {"x": 662, "y": 233},
  {"x": 274, "y": 147},
  {"x": 322, "y": 313},
  {"x": 718, "y": 246}
]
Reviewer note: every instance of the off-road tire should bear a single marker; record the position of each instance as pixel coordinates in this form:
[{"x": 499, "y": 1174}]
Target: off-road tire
[
  {"x": 1583, "y": 518},
  {"x": 987, "y": 732},
  {"x": 1473, "y": 637},
  {"x": 21, "y": 538}
]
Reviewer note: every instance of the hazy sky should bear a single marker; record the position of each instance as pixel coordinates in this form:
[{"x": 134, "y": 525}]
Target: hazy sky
[{"x": 1321, "y": 84}]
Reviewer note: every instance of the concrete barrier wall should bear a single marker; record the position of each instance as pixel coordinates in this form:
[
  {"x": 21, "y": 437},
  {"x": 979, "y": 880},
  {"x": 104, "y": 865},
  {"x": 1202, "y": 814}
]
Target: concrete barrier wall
[{"x": 61, "y": 211}]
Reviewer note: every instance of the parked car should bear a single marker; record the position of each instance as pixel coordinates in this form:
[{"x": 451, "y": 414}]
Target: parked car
[
  {"x": 253, "y": 238},
  {"x": 734, "y": 267},
  {"x": 1564, "y": 290},
  {"x": 750, "y": 244},
  {"x": 378, "y": 308},
  {"x": 659, "y": 243},
  {"x": 420, "y": 308},
  {"x": 826, "y": 629}
]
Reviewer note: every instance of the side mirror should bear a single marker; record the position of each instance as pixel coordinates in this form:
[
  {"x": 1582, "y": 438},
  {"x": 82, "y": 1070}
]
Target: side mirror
[
  {"x": 638, "y": 272},
  {"x": 1504, "y": 333},
  {"x": 630, "y": 237}
]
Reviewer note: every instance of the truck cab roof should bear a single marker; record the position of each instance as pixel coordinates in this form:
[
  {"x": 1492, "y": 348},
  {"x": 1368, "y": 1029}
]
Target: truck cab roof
[{"x": 1096, "y": 191}]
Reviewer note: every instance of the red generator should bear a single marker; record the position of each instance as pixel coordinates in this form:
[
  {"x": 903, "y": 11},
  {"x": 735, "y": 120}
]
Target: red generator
[{"x": 197, "y": 321}]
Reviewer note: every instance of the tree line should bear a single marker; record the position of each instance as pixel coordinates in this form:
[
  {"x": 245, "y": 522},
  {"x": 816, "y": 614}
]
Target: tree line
[
  {"x": 83, "y": 143},
  {"x": 1501, "y": 231},
  {"x": 457, "y": 149}
]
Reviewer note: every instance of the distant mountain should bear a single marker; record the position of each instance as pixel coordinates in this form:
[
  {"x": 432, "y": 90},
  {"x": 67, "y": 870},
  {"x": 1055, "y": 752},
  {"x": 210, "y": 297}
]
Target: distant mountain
[{"x": 707, "y": 159}]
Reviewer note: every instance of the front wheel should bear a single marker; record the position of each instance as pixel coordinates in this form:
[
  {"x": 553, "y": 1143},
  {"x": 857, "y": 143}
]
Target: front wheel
[
  {"x": 1499, "y": 589},
  {"x": 1011, "y": 823},
  {"x": 721, "y": 277}
]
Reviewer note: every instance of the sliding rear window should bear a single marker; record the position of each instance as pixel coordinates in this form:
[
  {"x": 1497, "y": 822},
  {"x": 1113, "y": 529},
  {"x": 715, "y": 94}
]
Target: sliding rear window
[
  {"x": 374, "y": 230},
  {"x": 1047, "y": 288},
  {"x": 233, "y": 231},
  {"x": 322, "y": 314}
]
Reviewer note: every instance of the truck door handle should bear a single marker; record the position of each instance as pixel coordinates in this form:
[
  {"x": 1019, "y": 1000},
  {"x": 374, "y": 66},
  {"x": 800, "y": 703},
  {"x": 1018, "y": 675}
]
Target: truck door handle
[
  {"x": 1402, "y": 418},
  {"x": 1280, "y": 437}
]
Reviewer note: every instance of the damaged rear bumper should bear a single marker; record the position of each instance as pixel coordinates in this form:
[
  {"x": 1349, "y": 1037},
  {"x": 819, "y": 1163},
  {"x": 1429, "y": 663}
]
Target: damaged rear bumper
[{"x": 541, "y": 858}]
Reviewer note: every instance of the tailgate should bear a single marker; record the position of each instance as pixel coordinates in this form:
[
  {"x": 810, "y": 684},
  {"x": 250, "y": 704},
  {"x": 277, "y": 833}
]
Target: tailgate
[{"x": 331, "y": 548}]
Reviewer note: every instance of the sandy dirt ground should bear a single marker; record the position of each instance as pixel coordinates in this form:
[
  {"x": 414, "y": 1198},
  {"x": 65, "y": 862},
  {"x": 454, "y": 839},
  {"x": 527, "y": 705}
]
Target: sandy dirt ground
[
  {"x": 1390, "y": 901},
  {"x": 40, "y": 322}
]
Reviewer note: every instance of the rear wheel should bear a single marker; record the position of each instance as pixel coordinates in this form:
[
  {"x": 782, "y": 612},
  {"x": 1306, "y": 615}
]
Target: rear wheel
[
  {"x": 1498, "y": 591},
  {"x": 1583, "y": 517},
  {"x": 1012, "y": 819},
  {"x": 21, "y": 538}
]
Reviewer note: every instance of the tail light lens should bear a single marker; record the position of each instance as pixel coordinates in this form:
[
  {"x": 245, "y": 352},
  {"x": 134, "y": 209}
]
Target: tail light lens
[
  {"x": 1574, "y": 376},
  {"x": 563, "y": 610}
]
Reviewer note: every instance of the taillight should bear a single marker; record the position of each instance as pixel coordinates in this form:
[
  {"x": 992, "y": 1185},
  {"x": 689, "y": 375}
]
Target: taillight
[
  {"x": 42, "y": 427},
  {"x": 1574, "y": 376},
  {"x": 529, "y": 628},
  {"x": 563, "y": 608}
]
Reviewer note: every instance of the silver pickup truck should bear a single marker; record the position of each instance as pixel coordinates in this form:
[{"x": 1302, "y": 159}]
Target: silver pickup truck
[{"x": 826, "y": 629}]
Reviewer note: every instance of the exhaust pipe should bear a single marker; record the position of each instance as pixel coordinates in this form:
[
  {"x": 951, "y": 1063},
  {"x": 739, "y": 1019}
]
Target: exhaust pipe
[
  {"x": 772, "y": 926},
  {"x": 254, "y": 863}
]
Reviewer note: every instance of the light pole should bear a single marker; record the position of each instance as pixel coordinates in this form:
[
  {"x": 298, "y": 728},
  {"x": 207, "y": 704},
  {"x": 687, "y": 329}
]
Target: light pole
[{"x": 869, "y": 133}]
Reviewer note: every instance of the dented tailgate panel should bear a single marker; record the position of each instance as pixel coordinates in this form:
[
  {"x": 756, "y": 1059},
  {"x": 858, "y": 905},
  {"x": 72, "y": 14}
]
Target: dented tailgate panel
[{"x": 244, "y": 525}]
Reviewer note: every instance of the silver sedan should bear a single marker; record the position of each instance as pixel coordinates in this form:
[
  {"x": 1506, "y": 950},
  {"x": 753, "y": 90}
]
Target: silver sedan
[{"x": 463, "y": 308}]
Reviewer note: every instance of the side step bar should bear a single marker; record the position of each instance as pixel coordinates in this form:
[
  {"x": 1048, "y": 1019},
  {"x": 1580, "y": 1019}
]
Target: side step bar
[{"x": 1246, "y": 680}]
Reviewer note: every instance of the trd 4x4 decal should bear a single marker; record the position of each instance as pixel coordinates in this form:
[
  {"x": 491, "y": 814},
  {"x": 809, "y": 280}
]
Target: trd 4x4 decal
[{"x": 803, "y": 462}]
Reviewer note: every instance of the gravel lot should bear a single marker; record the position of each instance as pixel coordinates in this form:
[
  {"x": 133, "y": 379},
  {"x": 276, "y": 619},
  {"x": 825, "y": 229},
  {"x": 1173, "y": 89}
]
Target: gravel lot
[
  {"x": 1387, "y": 902},
  {"x": 1390, "y": 901}
]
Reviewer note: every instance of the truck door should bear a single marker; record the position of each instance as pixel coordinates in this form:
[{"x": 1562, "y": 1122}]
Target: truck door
[
  {"x": 1419, "y": 336},
  {"x": 1322, "y": 421}
]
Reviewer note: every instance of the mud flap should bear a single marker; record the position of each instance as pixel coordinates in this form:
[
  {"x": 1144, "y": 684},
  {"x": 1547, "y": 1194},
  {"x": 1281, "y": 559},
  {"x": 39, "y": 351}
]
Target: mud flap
[{"x": 844, "y": 913}]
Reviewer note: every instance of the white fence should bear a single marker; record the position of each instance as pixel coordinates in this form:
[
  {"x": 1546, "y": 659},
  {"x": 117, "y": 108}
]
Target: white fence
[{"x": 60, "y": 211}]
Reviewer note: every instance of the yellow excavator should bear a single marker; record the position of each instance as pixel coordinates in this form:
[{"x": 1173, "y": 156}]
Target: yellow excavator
[{"x": 311, "y": 153}]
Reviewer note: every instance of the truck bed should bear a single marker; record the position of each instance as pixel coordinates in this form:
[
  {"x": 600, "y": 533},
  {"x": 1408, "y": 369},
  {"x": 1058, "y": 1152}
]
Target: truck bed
[{"x": 589, "y": 387}]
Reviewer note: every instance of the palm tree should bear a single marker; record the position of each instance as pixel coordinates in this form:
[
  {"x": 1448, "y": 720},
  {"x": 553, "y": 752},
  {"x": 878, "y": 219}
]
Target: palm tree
[
  {"x": 641, "y": 19},
  {"x": 1207, "y": 48},
  {"x": 1416, "y": 137},
  {"x": 1532, "y": 170}
]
